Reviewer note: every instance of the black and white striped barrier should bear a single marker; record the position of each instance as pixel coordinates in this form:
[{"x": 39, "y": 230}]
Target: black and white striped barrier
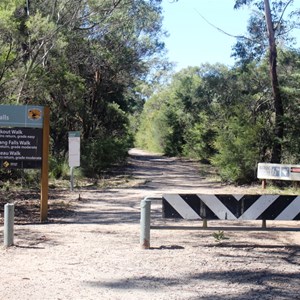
[
  {"x": 219, "y": 207},
  {"x": 231, "y": 207}
]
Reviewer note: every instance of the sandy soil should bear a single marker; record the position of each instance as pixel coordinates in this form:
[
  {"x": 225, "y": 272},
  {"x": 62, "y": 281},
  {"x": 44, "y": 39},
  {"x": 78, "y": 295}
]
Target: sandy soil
[{"x": 92, "y": 251}]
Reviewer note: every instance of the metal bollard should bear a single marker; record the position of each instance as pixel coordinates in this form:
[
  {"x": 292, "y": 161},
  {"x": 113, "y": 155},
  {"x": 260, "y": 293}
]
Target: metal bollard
[
  {"x": 145, "y": 223},
  {"x": 9, "y": 214}
]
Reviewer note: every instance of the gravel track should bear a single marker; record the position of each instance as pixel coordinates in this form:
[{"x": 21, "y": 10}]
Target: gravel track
[{"x": 93, "y": 252}]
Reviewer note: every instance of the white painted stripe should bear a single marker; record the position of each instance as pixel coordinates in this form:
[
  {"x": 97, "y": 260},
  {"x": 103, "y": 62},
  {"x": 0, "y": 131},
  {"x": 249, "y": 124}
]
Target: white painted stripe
[
  {"x": 219, "y": 209},
  {"x": 291, "y": 211},
  {"x": 258, "y": 207},
  {"x": 181, "y": 207},
  {"x": 238, "y": 197}
]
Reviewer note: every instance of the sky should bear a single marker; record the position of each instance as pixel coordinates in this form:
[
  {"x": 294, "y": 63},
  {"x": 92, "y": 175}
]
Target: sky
[{"x": 192, "y": 41}]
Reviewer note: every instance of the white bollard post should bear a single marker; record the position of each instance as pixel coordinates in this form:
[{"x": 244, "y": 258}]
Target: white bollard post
[
  {"x": 9, "y": 215},
  {"x": 145, "y": 223}
]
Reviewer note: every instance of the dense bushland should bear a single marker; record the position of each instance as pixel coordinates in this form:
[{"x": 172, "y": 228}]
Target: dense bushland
[
  {"x": 88, "y": 61},
  {"x": 100, "y": 66},
  {"x": 224, "y": 116}
]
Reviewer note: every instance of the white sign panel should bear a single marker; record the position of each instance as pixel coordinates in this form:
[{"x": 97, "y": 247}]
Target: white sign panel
[
  {"x": 278, "y": 171},
  {"x": 74, "y": 148}
]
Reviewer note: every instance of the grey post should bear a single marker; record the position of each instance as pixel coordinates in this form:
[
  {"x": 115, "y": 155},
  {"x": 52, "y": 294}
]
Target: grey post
[
  {"x": 9, "y": 214},
  {"x": 71, "y": 179},
  {"x": 145, "y": 223}
]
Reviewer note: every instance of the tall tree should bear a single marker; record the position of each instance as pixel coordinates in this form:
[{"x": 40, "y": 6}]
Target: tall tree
[{"x": 276, "y": 28}]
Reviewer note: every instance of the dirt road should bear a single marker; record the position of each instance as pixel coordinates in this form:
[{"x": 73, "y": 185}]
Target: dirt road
[{"x": 93, "y": 251}]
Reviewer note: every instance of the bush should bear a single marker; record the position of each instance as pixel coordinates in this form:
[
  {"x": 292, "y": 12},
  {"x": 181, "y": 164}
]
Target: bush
[
  {"x": 238, "y": 150},
  {"x": 102, "y": 153},
  {"x": 58, "y": 168},
  {"x": 200, "y": 139}
]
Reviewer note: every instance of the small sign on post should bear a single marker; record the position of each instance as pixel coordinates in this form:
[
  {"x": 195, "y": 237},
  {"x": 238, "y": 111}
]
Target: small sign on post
[
  {"x": 74, "y": 154},
  {"x": 277, "y": 172}
]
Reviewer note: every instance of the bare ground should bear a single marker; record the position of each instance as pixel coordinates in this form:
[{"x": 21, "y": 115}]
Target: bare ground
[{"x": 90, "y": 248}]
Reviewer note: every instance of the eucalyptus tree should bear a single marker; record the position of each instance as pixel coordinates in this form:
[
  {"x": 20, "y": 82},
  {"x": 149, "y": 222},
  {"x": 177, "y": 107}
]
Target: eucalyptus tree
[
  {"x": 289, "y": 70},
  {"x": 268, "y": 28}
]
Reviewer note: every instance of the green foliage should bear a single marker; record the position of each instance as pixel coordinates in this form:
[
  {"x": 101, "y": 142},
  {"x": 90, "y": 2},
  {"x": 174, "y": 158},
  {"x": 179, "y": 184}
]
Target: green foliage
[
  {"x": 176, "y": 121},
  {"x": 31, "y": 178},
  {"x": 7, "y": 176},
  {"x": 219, "y": 236},
  {"x": 94, "y": 70},
  {"x": 12, "y": 179},
  {"x": 234, "y": 118},
  {"x": 86, "y": 60},
  {"x": 199, "y": 139},
  {"x": 152, "y": 130},
  {"x": 237, "y": 144},
  {"x": 58, "y": 168},
  {"x": 103, "y": 153},
  {"x": 290, "y": 77}
]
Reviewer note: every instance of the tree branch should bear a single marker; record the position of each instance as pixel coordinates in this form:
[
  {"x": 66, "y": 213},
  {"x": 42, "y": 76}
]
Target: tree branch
[
  {"x": 221, "y": 30},
  {"x": 278, "y": 23}
]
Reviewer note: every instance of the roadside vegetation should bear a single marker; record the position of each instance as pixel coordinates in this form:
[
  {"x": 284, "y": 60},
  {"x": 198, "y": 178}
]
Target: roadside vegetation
[
  {"x": 101, "y": 68},
  {"x": 235, "y": 117}
]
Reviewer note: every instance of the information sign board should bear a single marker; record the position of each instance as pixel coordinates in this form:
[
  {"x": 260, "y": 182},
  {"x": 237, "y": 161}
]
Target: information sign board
[
  {"x": 21, "y": 147},
  {"x": 24, "y": 142},
  {"x": 278, "y": 171}
]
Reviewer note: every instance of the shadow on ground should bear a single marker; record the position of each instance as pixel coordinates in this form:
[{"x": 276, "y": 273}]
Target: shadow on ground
[{"x": 258, "y": 285}]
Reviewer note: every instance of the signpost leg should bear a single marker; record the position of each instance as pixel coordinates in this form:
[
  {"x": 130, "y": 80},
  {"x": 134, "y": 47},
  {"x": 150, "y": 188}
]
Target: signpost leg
[
  {"x": 45, "y": 167},
  {"x": 71, "y": 179}
]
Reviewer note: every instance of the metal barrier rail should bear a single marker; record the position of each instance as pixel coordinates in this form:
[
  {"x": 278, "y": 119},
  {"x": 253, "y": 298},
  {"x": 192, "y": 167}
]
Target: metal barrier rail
[{"x": 145, "y": 224}]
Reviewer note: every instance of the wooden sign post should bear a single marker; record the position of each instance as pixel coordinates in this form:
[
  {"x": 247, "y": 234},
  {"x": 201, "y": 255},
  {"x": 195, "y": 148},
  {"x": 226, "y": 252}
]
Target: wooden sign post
[{"x": 45, "y": 166}]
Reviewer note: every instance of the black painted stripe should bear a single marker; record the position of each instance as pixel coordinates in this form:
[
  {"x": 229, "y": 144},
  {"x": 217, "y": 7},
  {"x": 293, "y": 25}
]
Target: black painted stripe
[
  {"x": 246, "y": 202},
  {"x": 231, "y": 203},
  {"x": 168, "y": 211},
  {"x": 206, "y": 212},
  {"x": 193, "y": 201},
  {"x": 276, "y": 207},
  {"x": 297, "y": 217},
  {"x": 238, "y": 207}
]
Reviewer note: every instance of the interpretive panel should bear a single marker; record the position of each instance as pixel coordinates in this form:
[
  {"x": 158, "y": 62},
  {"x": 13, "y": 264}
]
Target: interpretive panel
[
  {"x": 278, "y": 171},
  {"x": 21, "y": 147}
]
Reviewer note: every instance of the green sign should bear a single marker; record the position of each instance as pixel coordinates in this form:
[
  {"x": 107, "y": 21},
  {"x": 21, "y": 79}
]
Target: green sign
[
  {"x": 74, "y": 134},
  {"x": 21, "y": 116}
]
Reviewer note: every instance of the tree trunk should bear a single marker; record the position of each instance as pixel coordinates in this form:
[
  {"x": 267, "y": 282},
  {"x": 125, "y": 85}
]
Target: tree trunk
[{"x": 279, "y": 125}]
